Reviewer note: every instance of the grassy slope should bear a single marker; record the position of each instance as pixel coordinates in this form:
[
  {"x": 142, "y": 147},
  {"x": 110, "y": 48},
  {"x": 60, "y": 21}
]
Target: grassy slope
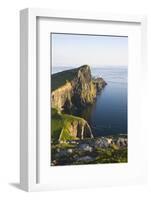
[
  {"x": 56, "y": 125},
  {"x": 60, "y": 78},
  {"x": 60, "y": 124}
]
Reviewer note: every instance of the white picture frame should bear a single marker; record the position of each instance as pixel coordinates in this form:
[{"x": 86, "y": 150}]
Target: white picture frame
[{"x": 29, "y": 148}]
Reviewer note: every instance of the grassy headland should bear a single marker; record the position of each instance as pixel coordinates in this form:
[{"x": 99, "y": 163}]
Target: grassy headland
[{"x": 72, "y": 141}]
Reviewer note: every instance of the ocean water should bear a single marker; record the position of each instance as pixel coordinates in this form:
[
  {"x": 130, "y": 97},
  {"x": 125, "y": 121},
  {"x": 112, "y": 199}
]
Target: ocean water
[{"x": 108, "y": 115}]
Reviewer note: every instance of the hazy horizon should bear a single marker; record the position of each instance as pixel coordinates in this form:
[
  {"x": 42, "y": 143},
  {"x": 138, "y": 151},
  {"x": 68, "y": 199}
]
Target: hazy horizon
[{"x": 74, "y": 50}]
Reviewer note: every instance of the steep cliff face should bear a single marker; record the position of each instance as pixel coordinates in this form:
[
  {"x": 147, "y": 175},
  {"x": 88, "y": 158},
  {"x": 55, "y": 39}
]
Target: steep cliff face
[
  {"x": 77, "y": 88},
  {"x": 62, "y": 97},
  {"x": 71, "y": 90},
  {"x": 84, "y": 90}
]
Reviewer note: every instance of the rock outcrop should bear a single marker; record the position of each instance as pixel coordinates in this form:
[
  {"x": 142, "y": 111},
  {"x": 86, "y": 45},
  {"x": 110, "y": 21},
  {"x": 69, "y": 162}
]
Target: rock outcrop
[
  {"x": 75, "y": 88},
  {"x": 61, "y": 97},
  {"x": 72, "y": 90},
  {"x": 110, "y": 149},
  {"x": 75, "y": 128}
]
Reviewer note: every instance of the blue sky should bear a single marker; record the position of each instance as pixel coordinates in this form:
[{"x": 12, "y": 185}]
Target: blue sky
[{"x": 76, "y": 50}]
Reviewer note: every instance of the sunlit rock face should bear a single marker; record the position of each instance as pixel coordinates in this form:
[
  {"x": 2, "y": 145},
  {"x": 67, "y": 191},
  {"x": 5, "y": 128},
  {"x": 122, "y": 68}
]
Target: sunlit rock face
[
  {"x": 62, "y": 97},
  {"x": 77, "y": 88},
  {"x": 72, "y": 90}
]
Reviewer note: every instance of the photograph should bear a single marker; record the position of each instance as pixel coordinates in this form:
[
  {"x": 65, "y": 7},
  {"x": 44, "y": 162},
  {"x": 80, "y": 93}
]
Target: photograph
[{"x": 88, "y": 99}]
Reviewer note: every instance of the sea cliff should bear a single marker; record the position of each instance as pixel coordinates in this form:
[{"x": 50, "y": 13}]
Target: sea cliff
[
  {"x": 72, "y": 141},
  {"x": 72, "y": 90}
]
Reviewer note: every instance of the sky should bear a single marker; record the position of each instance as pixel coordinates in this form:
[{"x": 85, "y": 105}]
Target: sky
[{"x": 96, "y": 51}]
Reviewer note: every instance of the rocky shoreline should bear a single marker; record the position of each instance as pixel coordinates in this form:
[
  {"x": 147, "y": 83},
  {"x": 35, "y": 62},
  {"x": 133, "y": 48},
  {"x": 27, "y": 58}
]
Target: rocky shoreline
[{"x": 111, "y": 149}]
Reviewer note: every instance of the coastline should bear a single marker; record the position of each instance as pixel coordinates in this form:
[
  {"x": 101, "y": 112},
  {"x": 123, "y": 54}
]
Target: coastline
[
  {"x": 75, "y": 144},
  {"x": 111, "y": 149}
]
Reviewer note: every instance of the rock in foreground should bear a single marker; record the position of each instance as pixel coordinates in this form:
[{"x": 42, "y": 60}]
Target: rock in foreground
[{"x": 91, "y": 151}]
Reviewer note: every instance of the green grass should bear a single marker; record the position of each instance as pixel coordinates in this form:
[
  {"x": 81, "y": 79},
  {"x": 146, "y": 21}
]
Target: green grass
[
  {"x": 56, "y": 125},
  {"x": 99, "y": 155},
  {"x": 65, "y": 134},
  {"x": 111, "y": 155},
  {"x": 60, "y": 124},
  {"x": 60, "y": 78},
  {"x": 63, "y": 145}
]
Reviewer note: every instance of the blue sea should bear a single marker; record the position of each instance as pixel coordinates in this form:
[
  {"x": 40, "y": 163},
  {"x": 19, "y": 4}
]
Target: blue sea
[{"x": 108, "y": 115}]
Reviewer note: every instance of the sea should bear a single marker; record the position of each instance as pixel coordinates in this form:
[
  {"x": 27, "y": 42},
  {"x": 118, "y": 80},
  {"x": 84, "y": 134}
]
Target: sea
[{"x": 108, "y": 115}]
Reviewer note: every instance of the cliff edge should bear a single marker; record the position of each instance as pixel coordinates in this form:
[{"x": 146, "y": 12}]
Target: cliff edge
[{"x": 74, "y": 89}]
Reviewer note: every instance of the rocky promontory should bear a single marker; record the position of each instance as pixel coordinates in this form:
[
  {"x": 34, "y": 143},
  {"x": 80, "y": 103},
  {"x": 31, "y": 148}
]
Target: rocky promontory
[
  {"x": 74, "y": 89},
  {"x": 72, "y": 141}
]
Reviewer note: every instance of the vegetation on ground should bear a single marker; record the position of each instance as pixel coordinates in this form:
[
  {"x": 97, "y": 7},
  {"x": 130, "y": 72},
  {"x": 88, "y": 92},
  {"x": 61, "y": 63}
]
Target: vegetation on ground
[
  {"x": 60, "y": 78},
  {"x": 60, "y": 124},
  {"x": 97, "y": 156},
  {"x": 66, "y": 129}
]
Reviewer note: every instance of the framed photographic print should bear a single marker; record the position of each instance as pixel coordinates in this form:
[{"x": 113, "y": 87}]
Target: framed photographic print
[{"x": 82, "y": 76}]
